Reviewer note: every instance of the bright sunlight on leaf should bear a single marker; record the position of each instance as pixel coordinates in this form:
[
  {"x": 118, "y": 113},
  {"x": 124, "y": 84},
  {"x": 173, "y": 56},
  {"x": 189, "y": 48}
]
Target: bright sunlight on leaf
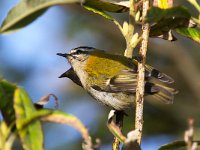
[{"x": 191, "y": 33}]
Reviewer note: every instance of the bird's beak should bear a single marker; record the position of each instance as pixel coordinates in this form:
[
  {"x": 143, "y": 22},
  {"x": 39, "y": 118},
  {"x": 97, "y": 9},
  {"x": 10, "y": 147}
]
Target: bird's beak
[
  {"x": 63, "y": 55},
  {"x": 65, "y": 74}
]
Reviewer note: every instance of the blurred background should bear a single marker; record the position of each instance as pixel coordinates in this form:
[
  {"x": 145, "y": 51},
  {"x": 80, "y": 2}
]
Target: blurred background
[{"x": 28, "y": 58}]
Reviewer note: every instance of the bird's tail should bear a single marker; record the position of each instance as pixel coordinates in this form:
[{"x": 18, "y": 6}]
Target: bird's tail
[{"x": 161, "y": 92}]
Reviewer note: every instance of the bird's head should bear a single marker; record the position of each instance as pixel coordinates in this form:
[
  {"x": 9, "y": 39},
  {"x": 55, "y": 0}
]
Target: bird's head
[{"x": 78, "y": 55}]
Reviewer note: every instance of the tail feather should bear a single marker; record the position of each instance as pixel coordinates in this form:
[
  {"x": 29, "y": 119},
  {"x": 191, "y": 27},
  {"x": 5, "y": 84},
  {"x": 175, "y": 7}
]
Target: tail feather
[
  {"x": 161, "y": 92},
  {"x": 161, "y": 76},
  {"x": 152, "y": 72}
]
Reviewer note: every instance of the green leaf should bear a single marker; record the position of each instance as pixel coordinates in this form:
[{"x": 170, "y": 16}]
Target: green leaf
[
  {"x": 26, "y": 11},
  {"x": 156, "y": 14},
  {"x": 165, "y": 20},
  {"x": 107, "y": 6},
  {"x": 7, "y": 138},
  {"x": 191, "y": 33},
  {"x": 175, "y": 145},
  {"x": 6, "y": 101},
  {"x": 31, "y": 136},
  {"x": 99, "y": 12},
  {"x": 56, "y": 116}
]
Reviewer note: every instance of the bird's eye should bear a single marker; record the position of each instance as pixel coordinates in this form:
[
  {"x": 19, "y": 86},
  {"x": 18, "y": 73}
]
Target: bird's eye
[{"x": 78, "y": 52}]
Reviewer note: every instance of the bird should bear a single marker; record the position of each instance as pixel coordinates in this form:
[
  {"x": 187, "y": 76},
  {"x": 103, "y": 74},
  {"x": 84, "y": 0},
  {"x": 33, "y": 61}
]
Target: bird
[{"x": 112, "y": 79}]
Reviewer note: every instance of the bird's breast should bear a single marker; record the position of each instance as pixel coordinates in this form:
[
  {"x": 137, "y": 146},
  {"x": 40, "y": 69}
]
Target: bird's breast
[{"x": 117, "y": 101}]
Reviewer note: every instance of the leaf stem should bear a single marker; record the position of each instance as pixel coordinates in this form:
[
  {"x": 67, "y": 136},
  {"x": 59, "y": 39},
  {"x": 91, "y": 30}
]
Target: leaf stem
[
  {"x": 195, "y": 4},
  {"x": 141, "y": 73},
  {"x": 118, "y": 25}
]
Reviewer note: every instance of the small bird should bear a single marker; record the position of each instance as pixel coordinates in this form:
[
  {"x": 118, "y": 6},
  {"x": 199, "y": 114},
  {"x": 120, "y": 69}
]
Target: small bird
[{"x": 112, "y": 79}]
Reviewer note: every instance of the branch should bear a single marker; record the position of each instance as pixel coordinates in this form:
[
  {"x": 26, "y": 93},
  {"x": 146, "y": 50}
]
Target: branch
[{"x": 141, "y": 72}]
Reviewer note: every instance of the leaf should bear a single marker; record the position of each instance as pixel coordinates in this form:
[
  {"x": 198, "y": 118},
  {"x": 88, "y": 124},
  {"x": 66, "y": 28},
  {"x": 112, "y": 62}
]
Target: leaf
[
  {"x": 44, "y": 100},
  {"x": 107, "y": 6},
  {"x": 195, "y": 4},
  {"x": 125, "y": 28},
  {"x": 114, "y": 129},
  {"x": 56, "y": 116},
  {"x": 156, "y": 14},
  {"x": 63, "y": 118},
  {"x": 134, "y": 39},
  {"x": 166, "y": 35},
  {"x": 7, "y": 138},
  {"x": 6, "y": 101},
  {"x": 191, "y": 33},
  {"x": 26, "y": 11},
  {"x": 99, "y": 12},
  {"x": 24, "y": 110},
  {"x": 163, "y": 3},
  {"x": 175, "y": 145},
  {"x": 165, "y": 20}
]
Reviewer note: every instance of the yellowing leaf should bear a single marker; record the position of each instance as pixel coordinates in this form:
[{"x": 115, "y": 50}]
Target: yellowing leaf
[
  {"x": 7, "y": 138},
  {"x": 63, "y": 118},
  {"x": 164, "y": 4},
  {"x": 98, "y": 12}
]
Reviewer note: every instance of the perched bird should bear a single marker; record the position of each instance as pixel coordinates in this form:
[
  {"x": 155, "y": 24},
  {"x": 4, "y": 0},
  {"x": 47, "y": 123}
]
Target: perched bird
[{"x": 112, "y": 79}]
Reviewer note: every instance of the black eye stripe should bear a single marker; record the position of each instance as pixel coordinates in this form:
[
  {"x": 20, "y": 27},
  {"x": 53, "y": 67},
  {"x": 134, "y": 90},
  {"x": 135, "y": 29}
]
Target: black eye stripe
[
  {"x": 79, "y": 52},
  {"x": 84, "y": 47}
]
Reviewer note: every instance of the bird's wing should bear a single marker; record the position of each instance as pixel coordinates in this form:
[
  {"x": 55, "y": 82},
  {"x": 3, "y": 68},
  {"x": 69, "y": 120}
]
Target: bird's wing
[{"x": 124, "y": 81}]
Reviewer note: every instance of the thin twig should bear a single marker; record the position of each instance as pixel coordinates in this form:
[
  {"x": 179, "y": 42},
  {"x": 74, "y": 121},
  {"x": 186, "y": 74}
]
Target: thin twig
[
  {"x": 119, "y": 123},
  {"x": 118, "y": 25},
  {"x": 129, "y": 49},
  {"x": 141, "y": 71}
]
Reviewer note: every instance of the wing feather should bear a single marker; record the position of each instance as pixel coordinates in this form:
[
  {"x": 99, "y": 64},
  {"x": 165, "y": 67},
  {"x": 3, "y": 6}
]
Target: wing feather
[{"x": 152, "y": 72}]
